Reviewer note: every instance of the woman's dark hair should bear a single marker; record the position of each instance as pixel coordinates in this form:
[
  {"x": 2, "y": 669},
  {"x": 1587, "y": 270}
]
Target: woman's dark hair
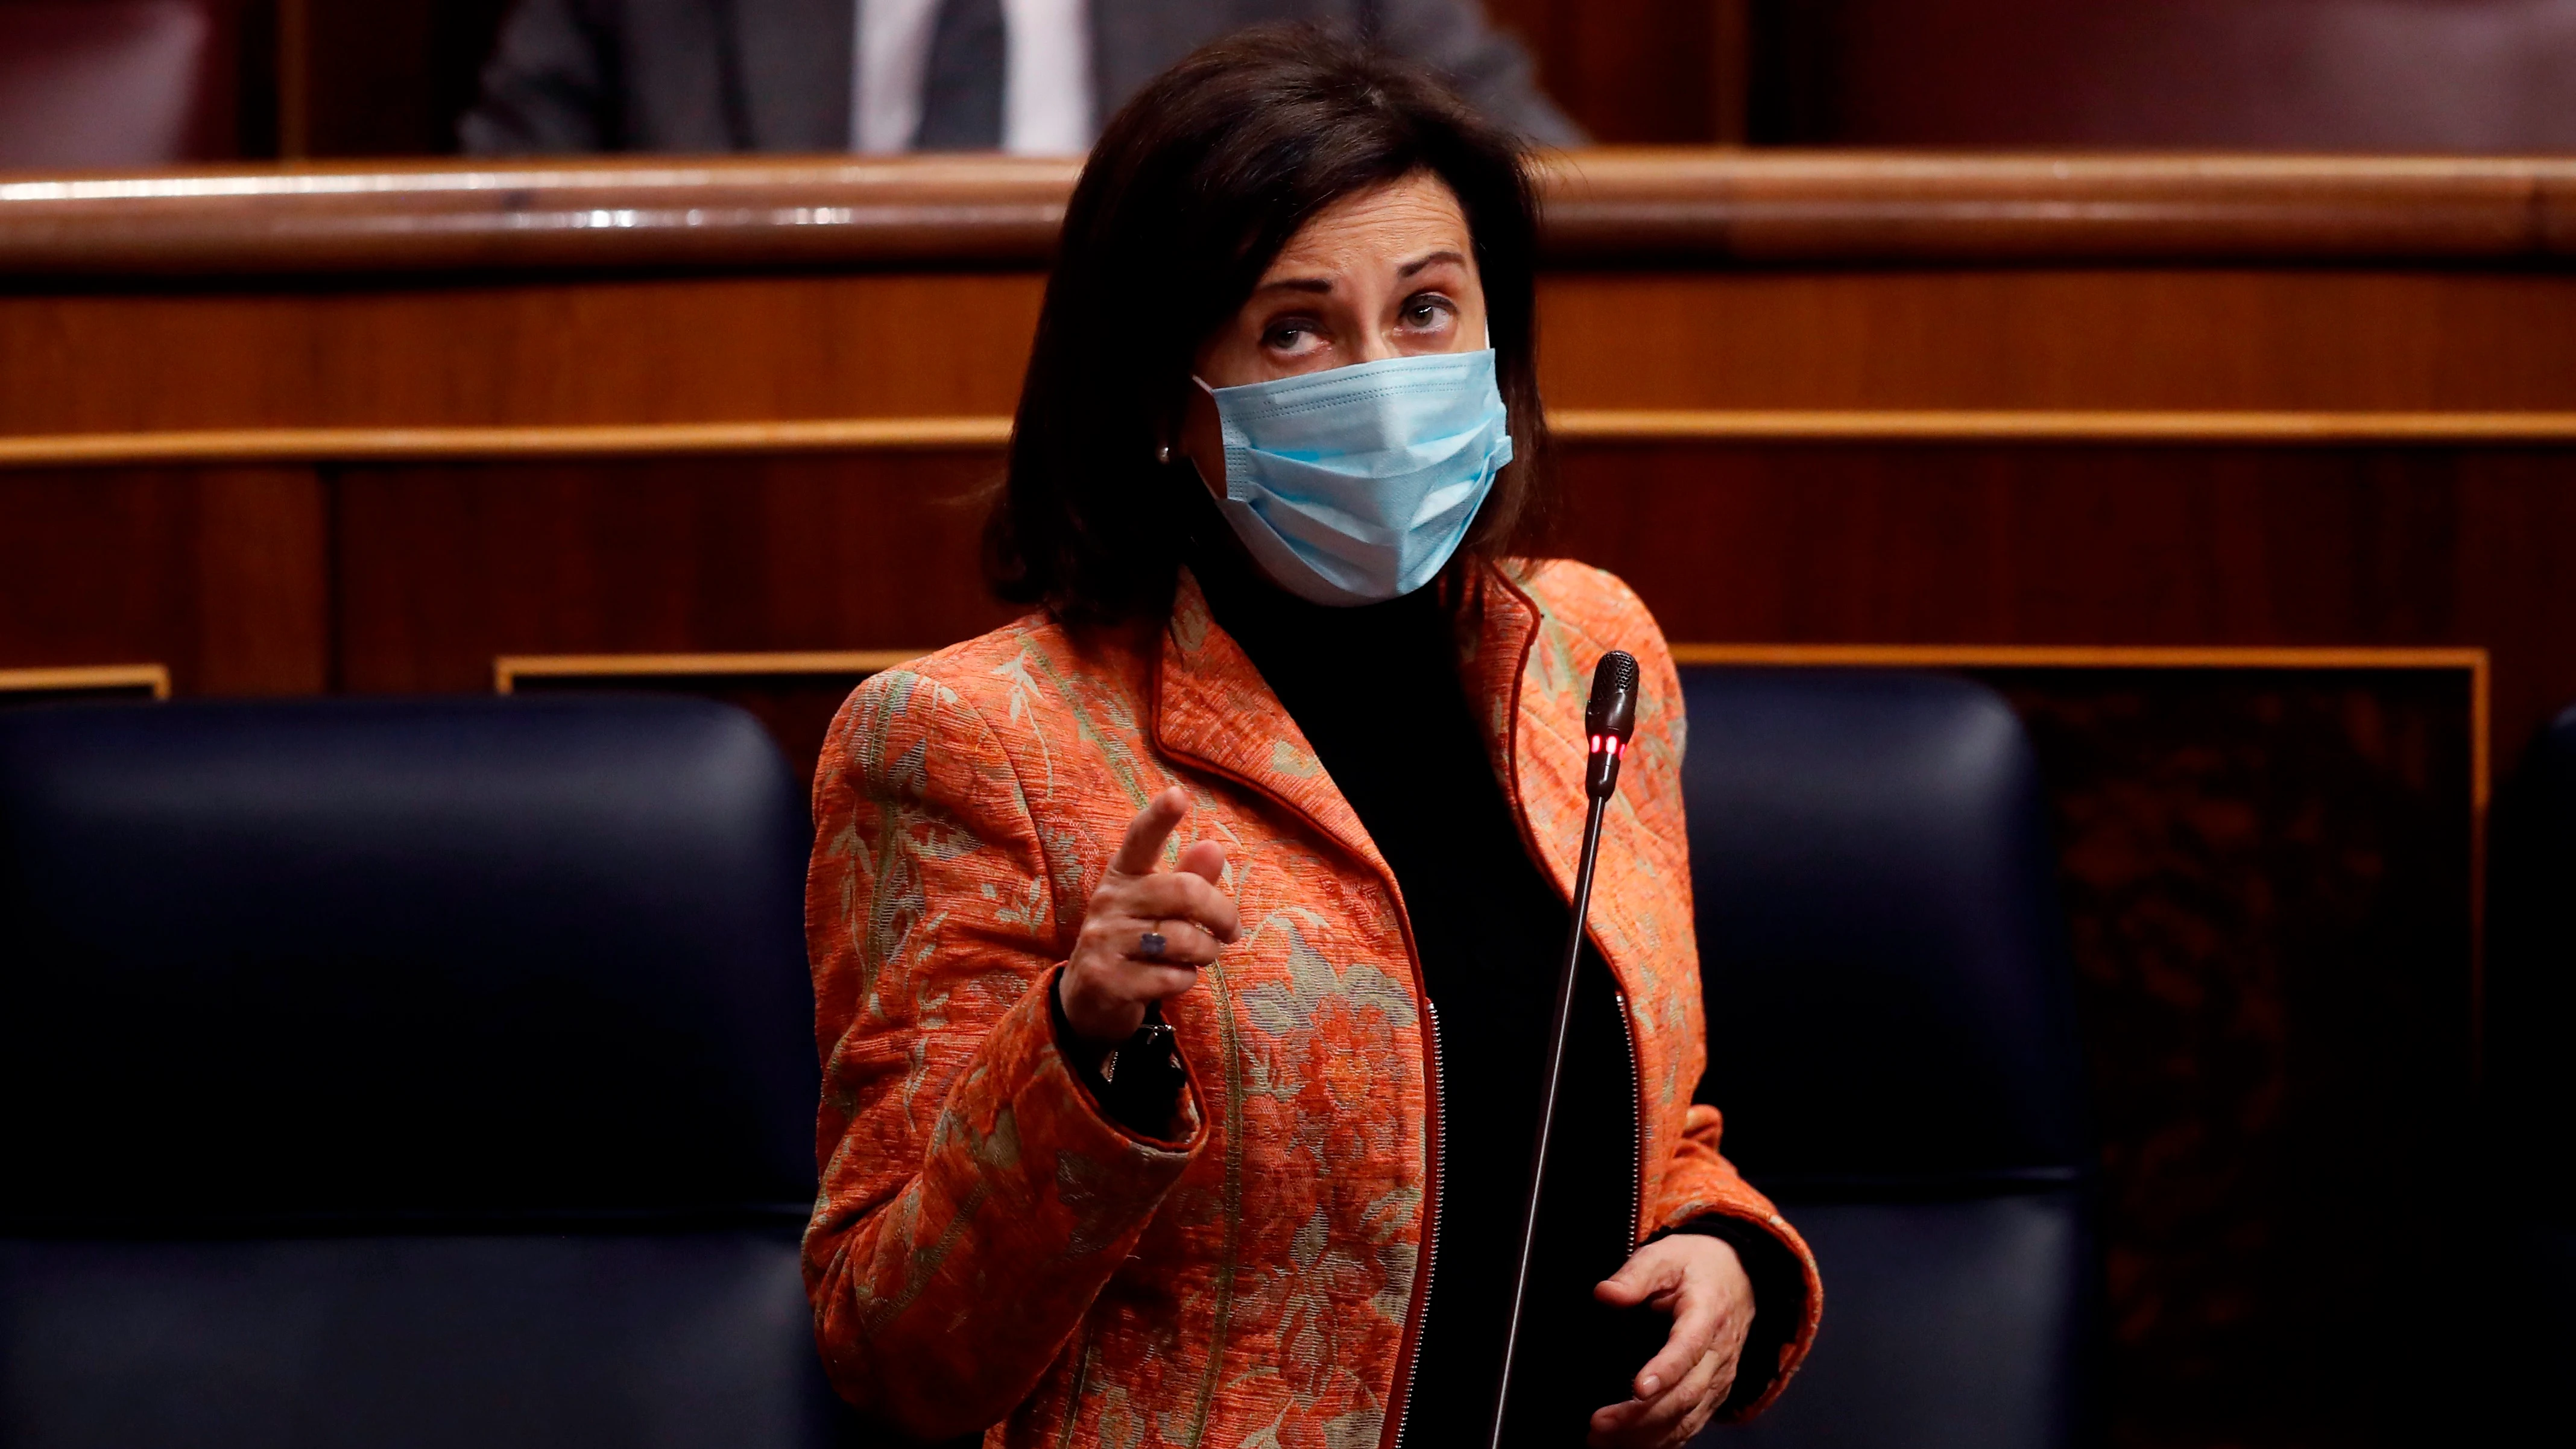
[{"x": 1191, "y": 192}]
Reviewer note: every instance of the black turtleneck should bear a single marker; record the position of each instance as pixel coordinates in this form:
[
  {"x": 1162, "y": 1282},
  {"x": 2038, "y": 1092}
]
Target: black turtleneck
[{"x": 1375, "y": 690}]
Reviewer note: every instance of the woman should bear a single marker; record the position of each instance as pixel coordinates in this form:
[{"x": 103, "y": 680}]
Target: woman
[{"x": 1183, "y": 952}]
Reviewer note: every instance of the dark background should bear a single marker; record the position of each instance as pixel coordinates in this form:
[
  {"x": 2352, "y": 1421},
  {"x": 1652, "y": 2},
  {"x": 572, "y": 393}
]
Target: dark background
[{"x": 346, "y": 78}]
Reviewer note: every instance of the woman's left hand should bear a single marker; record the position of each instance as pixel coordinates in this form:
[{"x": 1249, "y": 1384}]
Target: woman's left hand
[{"x": 1700, "y": 1282}]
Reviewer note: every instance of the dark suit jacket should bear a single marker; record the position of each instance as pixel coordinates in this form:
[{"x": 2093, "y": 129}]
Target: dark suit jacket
[{"x": 774, "y": 75}]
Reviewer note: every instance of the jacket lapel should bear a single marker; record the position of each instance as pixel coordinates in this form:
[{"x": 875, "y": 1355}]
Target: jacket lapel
[
  {"x": 796, "y": 59},
  {"x": 1525, "y": 673},
  {"x": 1212, "y": 708},
  {"x": 1529, "y": 673},
  {"x": 1515, "y": 684}
]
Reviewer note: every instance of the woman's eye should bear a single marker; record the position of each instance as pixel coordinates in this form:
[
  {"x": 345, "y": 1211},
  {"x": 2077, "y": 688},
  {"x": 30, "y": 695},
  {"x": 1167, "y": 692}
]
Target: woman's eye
[
  {"x": 1425, "y": 312},
  {"x": 1288, "y": 337}
]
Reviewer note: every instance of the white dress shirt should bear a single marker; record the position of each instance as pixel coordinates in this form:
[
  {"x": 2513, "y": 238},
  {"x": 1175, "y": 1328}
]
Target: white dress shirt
[{"x": 1046, "y": 95}]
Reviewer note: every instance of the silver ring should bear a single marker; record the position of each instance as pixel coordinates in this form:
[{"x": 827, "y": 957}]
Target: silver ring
[{"x": 1150, "y": 945}]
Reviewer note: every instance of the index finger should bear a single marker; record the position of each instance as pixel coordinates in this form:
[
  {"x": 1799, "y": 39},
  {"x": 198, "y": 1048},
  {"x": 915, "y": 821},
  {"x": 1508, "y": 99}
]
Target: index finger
[{"x": 1142, "y": 848}]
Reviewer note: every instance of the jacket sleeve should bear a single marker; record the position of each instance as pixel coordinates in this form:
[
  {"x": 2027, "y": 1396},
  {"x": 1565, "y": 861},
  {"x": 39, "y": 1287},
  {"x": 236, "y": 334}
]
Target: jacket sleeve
[
  {"x": 1704, "y": 1192},
  {"x": 1701, "y": 1191},
  {"x": 1488, "y": 67},
  {"x": 974, "y": 1199},
  {"x": 546, "y": 89}
]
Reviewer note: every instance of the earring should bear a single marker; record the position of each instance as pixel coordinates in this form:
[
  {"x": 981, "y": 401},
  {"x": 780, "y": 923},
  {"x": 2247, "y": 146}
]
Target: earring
[{"x": 1163, "y": 454}]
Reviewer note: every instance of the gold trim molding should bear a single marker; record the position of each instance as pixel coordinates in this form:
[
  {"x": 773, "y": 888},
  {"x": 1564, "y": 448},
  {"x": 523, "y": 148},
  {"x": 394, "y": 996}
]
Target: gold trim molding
[
  {"x": 509, "y": 669},
  {"x": 2059, "y": 426},
  {"x": 439, "y": 444},
  {"x": 102, "y": 677},
  {"x": 987, "y": 433}
]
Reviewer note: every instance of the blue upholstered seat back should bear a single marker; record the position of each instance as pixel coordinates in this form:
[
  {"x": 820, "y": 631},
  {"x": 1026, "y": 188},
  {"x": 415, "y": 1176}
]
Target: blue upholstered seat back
[
  {"x": 417, "y": 1072},
  {"x": 1892, "y": 1039}
]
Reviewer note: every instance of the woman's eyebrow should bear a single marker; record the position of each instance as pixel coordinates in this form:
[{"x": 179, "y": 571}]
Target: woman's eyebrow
[{"x": 1324, "y": 285}]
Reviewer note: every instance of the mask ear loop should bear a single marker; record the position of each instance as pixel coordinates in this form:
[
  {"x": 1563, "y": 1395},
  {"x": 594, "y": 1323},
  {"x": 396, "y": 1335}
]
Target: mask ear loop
[
  {"x": 1203, "y": 387},
  {"x": 1164, "y": 451}
]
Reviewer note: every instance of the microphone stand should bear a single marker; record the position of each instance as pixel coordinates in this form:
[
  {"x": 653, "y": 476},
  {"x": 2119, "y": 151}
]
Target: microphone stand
[{"x": 1608, "y": 721}]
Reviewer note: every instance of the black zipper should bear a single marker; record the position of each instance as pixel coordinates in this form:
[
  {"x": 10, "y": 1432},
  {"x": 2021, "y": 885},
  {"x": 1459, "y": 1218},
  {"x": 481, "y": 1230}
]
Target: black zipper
[
  {"x": 1430, "y": 1213},
  {"x": 1636, "y": 1128},
  {"x": 1410, "y": 1368}
]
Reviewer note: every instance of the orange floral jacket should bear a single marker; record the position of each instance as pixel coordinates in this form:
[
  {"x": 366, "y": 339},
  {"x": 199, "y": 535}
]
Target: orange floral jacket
[{"x": 988, "y": 1248}]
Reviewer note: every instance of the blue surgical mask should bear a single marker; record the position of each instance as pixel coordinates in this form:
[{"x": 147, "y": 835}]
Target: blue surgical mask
[{"x": 1354, "y": 486}]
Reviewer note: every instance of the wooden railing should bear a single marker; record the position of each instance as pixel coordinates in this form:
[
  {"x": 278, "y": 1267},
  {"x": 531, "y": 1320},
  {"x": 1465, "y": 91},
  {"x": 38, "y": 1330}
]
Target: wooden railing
[{"x": 1614, "y": 205}]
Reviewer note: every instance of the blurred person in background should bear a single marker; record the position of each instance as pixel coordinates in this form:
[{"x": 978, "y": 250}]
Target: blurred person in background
[{"x": 1032, "y": 77}]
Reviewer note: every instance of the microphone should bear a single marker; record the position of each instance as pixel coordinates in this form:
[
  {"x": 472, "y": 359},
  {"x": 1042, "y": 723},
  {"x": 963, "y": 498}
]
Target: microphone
[{"x": 1609, "y": 720}]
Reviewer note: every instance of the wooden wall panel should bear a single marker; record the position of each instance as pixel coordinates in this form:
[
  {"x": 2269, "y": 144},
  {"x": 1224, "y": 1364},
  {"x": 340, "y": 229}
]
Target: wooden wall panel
[
  {"x": 2101, "y": 545},
  {"x": 446, "y": 569},
  {"x": 263, "y": 582},
  {"x": 663, "y": 349},
  {"x": 222, "y": 574},
  {"x": 1972, "y": 337},
  {"x": 671, "y": 350}
]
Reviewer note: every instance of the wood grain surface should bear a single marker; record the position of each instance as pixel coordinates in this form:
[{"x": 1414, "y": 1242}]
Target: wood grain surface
[
  {"x": 2102, "y": 545},
  {"x": 818, "y": 349},
  {"x": 221, "y": 574},
  {"x": 1623, "y": 205},
  {"x": 429, "y": 571},
  {"x": 606, "y": 443},
  {"x": 1991, "y": 337},
  {"x": 491, "y": 354},
  {"x": 445, "y": 569}
]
